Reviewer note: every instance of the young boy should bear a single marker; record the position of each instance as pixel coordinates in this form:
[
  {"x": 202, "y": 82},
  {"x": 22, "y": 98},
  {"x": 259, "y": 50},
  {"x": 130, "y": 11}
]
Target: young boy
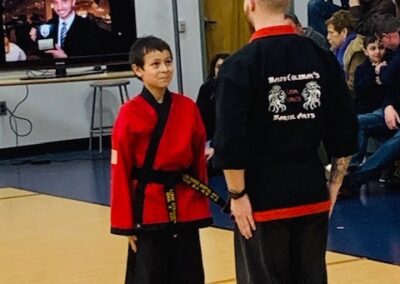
[
  {"x": 157, "y": 136},
  {"x": 370, "y": 92}
]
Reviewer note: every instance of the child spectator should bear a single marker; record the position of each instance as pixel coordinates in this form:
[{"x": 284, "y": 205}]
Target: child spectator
[{"x": 370, "y": 92}]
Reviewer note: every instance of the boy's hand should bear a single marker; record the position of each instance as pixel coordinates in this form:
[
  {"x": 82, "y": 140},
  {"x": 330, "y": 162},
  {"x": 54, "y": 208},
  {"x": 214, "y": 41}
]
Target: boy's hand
[
  {"x": 209, "y": 152},
  {"x": 132, "y": 242},
  {"x": 379, "y": 66}
]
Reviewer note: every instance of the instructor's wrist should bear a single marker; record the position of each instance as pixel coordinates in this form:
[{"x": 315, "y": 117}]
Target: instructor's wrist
[{"x": 236, "y": 194}]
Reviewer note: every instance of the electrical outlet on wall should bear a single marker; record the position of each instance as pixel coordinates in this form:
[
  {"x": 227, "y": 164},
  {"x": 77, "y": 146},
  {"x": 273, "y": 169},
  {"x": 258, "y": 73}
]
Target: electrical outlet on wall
[{"x": 3, "y": 108}]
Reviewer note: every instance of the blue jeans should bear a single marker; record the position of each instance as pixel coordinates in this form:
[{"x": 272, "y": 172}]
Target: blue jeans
[
  {"x": 373, "y": 125},
  {"x": 318, "y": 12}
]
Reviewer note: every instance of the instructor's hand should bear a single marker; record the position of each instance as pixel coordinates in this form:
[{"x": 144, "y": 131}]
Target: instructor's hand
[
  {"x": 132, "y": 242},
  {"x": 243, "y": 213}
]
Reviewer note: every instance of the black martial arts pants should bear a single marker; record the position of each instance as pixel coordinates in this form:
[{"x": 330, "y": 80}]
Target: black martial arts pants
[
  {"x": 166, "y": 258},
  {"x": 290, "y": 251}
]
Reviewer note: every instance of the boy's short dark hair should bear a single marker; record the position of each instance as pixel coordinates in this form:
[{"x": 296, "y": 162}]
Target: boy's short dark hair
[
  {"x": 384, "y": 24},
  {"x": 368, "y": 40},
  {"x": 144, "y": 45}
]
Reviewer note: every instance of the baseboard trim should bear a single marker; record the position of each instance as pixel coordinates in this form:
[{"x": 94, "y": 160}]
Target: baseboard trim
[{"x": 52, "y": 147}]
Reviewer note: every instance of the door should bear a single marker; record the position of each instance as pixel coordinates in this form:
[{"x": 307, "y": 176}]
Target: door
[{"x": 226, "y": 28}]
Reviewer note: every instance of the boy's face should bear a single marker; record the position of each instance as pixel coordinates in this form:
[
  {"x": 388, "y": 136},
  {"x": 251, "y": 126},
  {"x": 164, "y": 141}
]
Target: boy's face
[
  {"x": 375, "y": 51},
  {"x": 157, "y": 70}
]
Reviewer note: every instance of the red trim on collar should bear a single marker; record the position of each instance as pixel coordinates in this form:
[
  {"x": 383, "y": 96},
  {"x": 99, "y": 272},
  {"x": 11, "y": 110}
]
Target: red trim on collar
[{"x": 273, "y": 31}]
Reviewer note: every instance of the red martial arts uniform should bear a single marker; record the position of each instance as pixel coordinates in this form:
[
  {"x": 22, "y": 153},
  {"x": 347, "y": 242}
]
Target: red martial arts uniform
[{"x": 181, "y": 148}]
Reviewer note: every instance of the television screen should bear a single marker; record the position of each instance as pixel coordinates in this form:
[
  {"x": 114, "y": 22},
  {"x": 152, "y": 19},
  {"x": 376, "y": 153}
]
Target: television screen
[{"x": 42, "y": 34}]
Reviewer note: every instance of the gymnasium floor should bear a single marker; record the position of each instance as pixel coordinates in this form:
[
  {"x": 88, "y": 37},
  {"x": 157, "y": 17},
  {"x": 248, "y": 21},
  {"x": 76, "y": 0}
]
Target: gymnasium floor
[{"x": 56, "y": 230}]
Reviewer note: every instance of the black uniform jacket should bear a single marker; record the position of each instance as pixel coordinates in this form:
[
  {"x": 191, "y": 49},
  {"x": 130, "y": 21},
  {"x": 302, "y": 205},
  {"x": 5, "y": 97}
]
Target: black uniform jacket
[{"x": 277, "y": 98}]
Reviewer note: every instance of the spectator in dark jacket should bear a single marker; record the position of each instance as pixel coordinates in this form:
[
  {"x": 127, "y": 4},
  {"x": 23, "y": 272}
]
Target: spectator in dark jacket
[
  {"x": 321, "y": 10},
  {"x": 369, "y": 90},
  {"x": 364, "y": 11},
  {"x": 309, "y": 32}
]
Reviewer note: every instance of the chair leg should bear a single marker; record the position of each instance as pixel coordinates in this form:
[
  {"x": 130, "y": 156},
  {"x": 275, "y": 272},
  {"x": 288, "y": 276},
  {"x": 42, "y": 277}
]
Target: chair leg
[
  {"x": 121, "y": 94},
  {"x": 101, "y": 122},
  {"x": 92, "y": 118},
  {"x": 126, "y": 93}
]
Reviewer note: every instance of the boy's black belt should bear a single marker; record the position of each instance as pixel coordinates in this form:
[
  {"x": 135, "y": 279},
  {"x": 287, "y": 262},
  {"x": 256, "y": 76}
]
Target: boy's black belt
[{"x": 170, "y": 179}]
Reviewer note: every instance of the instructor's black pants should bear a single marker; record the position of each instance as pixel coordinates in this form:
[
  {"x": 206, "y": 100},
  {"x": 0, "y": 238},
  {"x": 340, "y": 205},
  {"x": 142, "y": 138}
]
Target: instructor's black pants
[{"x": 290, "y": 251}]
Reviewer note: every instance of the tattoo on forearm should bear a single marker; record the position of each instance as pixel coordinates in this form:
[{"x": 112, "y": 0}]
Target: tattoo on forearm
[{"x": 339, "y": 169}]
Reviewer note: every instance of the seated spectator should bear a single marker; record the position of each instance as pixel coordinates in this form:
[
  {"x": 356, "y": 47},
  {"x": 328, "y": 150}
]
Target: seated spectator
[
  {"x": 13, "y": 52},
  {"x": 368, "y": 89},
  {"x": 321, "y": 10},
  {"x": 363, "y": 12},
  {"x": 346, "y": 45},
  {"x": 309, "y": 32},
  {"x": 385, "y": 121}
]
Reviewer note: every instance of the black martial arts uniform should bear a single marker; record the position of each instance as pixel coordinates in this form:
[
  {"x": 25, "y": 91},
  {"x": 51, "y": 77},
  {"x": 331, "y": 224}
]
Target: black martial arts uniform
[{"x": 277, "y": 98}]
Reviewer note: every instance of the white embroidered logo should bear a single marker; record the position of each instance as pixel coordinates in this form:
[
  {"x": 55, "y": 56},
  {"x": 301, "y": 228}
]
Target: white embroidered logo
[
  {"x": 276, "y": 99},
  {"x": 312, "y": 95}
]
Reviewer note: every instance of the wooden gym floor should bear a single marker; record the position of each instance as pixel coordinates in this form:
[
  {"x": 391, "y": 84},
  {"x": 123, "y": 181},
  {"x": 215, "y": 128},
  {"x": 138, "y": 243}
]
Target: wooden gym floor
[{"x": 46, "y": 239}]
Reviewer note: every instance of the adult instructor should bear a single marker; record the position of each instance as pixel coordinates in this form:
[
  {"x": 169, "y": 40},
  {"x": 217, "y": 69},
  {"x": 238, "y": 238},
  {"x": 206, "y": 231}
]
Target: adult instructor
[{"x": 277, "y": 98}]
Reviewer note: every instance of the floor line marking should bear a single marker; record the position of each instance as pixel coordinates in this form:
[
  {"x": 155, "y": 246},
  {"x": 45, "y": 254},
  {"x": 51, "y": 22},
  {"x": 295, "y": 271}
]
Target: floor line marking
[
  {"x": 346, "y": 261},
  {"x": 221, "y": 281},
  {"x": 18, "y": 196}
]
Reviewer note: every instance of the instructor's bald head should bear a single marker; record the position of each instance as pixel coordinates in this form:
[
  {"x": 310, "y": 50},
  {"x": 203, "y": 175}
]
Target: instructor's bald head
[{"x": 274, "y": 5}]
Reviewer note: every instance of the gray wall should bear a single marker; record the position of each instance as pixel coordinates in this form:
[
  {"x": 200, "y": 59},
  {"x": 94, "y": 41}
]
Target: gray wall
[{"x": 62, "y": 111}]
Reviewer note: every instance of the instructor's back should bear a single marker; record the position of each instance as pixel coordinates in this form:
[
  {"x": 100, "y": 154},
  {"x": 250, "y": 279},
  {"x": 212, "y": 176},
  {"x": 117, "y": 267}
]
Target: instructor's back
[{"x": 277, "y": 99}]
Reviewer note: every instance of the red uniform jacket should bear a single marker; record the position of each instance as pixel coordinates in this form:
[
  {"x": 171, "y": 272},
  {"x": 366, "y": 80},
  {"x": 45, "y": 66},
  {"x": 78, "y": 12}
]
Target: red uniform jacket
[{"x": 181, "y": 147}]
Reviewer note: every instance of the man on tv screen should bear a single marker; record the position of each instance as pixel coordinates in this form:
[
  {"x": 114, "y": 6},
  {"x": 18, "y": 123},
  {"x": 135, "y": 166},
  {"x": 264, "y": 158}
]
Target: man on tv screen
[{"x": 71, "y": 34}]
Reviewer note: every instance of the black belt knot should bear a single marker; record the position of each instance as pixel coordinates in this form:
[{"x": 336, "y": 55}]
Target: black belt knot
[{"x": 167, "y": 178}]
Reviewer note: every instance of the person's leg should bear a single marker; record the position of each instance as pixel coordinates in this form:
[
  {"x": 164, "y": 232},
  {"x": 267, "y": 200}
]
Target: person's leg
[
  {"x": 370, "y": 125},
  {"x": 386, "y": 154},
  {"x": 265, "y": 257},
  {"x": 308, "y": 246},
  {"x": 318, "y": 12}
]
